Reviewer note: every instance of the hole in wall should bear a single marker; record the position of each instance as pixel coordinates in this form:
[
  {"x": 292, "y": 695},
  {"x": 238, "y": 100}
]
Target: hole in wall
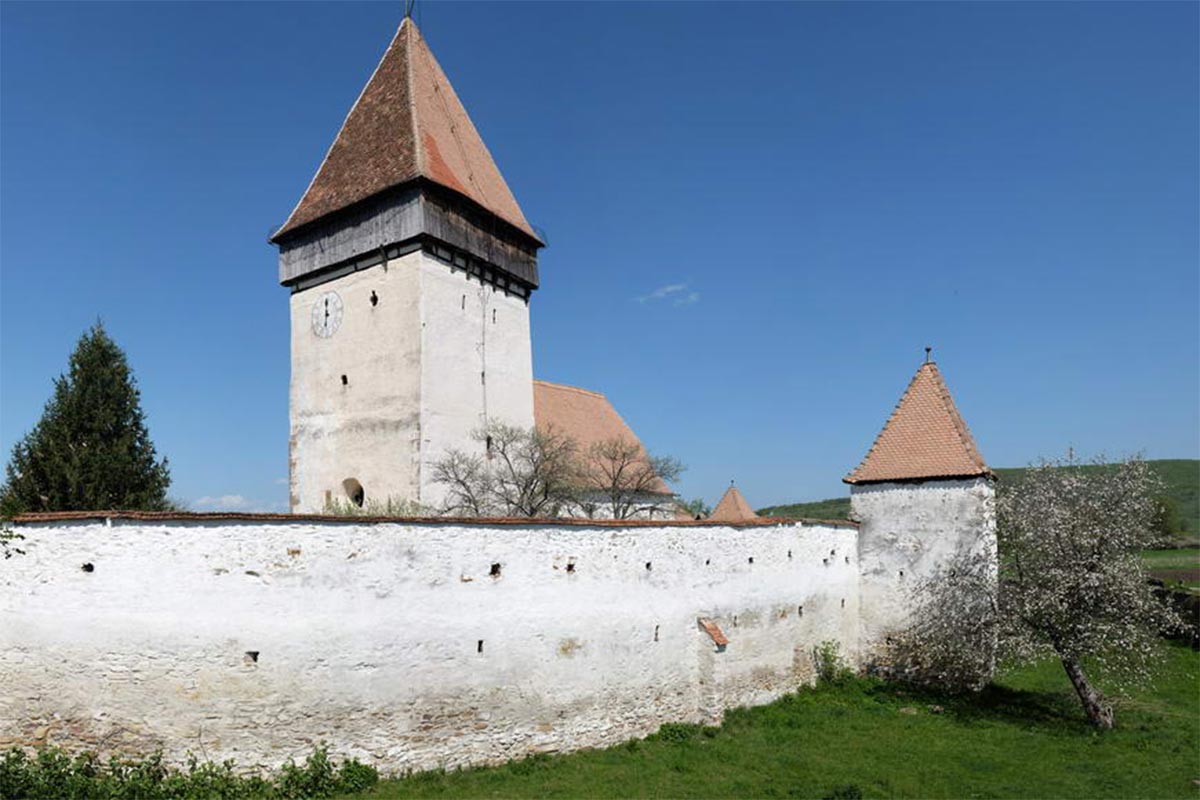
[
  {"x": 479, "y": 646},
  {"x": 489, "y": 444},
  {"x": 570, "y": 566},
  {"x": 843, "y": 602},
  {"x": 649, "y": 566},
  {"x": 374, "y": 299},
  {"x": 847, "y": 559},
  {"x": 656, "y": 633},
  {"x": 735, "y": 620},
  {"x": 493, "y": 316},
  {"x": 251, "y": 657},
  {"x": 88, "y": 567},
  {"x": 707, "y": 561},
  {"x": 354, "y": 491},
  {"x": 751, "y": 559},
  {"x": 494, "y": 571},
  {"x": 833, "y": 552},
  {"x": 799, "y": 611},
  {"x": 464, "y": 302},
  {"x": 825, "y": 561},
  {"x": 901, "y": 573},
  {"x": 345, "y": 381},
  {"x": 789, "y": 553}
]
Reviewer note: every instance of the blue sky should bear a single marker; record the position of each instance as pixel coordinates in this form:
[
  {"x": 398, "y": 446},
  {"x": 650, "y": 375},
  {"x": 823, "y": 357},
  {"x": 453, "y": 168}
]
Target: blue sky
[{"x": 757, "y": 216}]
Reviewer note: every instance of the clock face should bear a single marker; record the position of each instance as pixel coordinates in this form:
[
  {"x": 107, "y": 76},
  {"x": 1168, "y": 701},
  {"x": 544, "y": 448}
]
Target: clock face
[{"x": 327, "y": 314}]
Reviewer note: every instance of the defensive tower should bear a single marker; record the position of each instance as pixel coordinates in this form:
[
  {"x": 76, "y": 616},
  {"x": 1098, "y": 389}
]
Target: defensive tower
[
  {"x": 410, "y": 267},
  {"x": 922, "y": 494}
]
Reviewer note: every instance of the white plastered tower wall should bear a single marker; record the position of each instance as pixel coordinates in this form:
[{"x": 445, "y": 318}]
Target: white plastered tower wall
[
  {"x": 907, "y": 530},
  {"x": 429, "y": 355}
]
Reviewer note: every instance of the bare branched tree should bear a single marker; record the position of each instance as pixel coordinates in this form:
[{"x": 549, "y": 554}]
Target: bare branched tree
[
  {"x": 1072, "y": 585},
  {"x": 627, "y": 481},
  {"x": 521, "y": 473}
]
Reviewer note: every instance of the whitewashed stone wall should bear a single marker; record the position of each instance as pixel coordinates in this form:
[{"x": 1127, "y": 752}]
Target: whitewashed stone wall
[
  {"x": 432, "y": 359},
  {"x": 393, "y": 642},
  {"x": 906, "y": 531}
]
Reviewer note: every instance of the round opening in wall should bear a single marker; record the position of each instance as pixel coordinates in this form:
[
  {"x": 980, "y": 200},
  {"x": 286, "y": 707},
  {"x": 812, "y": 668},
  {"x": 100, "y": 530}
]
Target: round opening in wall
[
  {"x": 88, "y": 567},
  {"x": 354, "y": 491}
]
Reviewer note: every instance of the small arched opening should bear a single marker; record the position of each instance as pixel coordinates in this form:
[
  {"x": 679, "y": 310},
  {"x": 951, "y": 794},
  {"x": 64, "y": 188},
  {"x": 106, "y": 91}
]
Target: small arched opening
[{"x": 354, "y": 491}]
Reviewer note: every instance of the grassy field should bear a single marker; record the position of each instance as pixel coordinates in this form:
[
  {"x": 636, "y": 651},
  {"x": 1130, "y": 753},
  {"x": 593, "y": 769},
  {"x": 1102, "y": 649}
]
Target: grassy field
[
  {"x": 1023, "y": 737},
  {"x": 1172, "y": 567},
  {"x": 1181, "y": 477}
]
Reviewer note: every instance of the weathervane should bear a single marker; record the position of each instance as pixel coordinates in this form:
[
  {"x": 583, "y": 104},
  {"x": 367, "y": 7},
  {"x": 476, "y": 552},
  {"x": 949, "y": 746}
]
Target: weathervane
[{"x": 928, "y": 350}]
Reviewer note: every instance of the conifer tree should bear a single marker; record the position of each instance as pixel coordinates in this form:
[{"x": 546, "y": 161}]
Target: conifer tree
[{"x": 91, "y": 449}]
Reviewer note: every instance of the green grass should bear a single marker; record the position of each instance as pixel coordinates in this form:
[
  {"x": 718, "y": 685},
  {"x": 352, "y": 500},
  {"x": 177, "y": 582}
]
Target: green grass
[
  {"x": 1023, "y": 737},
  {"x": 1181, "y": 477},
  {"x": 1172, "y": 567}
]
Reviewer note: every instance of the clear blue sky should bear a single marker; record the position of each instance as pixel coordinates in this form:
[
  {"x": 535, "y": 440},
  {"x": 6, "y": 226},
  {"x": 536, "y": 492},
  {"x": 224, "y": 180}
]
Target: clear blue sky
[{"x": 832, "y": 185}]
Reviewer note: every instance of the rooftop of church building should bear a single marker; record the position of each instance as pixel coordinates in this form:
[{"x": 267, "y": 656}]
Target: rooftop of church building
[
  {"x": 924, "y": 438},
  {"x": 407, "y": 124}
]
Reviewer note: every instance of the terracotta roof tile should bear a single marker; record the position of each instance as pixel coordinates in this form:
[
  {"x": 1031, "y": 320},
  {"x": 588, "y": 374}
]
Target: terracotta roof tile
[
  {"x": 925, "y": 437},
  {"x": 585, "y": 416},
  {"x": 407, "y": 123},
  {"x": 732, "y": 508}
]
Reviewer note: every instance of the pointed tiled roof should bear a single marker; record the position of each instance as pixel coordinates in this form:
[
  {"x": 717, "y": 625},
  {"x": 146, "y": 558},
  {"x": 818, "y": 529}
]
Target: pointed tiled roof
[
  {"x": 732, "y": 508},
  {"x": 407, "y": 123},
  {"x": 924, "y": 438}
]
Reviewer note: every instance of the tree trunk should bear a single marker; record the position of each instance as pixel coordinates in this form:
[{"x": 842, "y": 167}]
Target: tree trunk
[{"x": 1099, "y": 711}]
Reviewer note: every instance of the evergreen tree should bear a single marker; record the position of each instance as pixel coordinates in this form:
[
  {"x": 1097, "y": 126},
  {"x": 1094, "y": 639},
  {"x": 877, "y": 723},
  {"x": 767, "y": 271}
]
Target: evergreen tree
[{"x": 90, "y": 450}]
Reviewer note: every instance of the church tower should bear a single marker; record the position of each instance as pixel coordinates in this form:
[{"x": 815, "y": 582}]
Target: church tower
[
  {"x": 410, "y": 267},
  {"x": 922, "y": 495}
]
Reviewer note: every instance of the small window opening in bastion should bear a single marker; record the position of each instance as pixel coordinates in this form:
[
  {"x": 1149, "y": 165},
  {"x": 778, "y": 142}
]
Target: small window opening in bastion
[
  {"x": 751, "y": 559},
  {"x": 901, "y": 573},
  {"x": 570, "y": 567},
  {"x": 735, "y": 620},
  {"x": 479, "y": 646},
  {"x": 374, "y": 299},
  {"x": 825, "y": 561},
  {"x": 345, "y": 381},
  {"x": 489, "y": 444},
  {"x": 354, "y": 491},
  {"x": 707, "y": 561},
  {"x": 649, "y": 566},
  {"x": 656, "y": 633},
  {"x": 88, "y": 567},
  {"x": 789, "y": 554},
  {"x": 464, "y": 301},
  {"x": 493, "y": 316},
  {"x": 494, "y": 571},
  {"x": 847, "y": 559},
  {"x": 843, "y": 602},
  {"x": 799, "y": 611},
  {"x": 251, "y": 657}
]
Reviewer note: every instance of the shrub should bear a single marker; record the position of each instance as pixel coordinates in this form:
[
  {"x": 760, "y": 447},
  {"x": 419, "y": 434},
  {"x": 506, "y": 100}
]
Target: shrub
[
  {"x": 831, "y": 667},
  {"x": 52, "y": 774}
]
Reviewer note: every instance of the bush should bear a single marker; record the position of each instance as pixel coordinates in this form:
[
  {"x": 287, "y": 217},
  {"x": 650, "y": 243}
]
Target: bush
[
  {"x": 831, "y": 667},
  {"x": 53, "y": 774}
]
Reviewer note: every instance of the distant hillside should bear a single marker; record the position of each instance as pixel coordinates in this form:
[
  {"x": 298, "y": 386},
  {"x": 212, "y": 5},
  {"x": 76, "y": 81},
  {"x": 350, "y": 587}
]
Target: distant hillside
[{"x": 1180, "y": 476}]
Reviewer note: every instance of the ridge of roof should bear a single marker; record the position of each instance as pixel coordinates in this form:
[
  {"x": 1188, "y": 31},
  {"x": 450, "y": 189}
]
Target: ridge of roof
[
  {"x": 406, "y": 124},
  {"x": 565, "y": 387},
  {"x": 925, "y": 437}
]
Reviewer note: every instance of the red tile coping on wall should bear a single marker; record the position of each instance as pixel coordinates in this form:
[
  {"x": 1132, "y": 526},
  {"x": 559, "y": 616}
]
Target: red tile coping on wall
[
  {"x": 234, "y": 516},
  {"x": 714, "y": 631}
]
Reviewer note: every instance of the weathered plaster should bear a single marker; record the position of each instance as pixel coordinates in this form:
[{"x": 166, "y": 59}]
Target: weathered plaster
[
  {"x": 367, "y": 635},
  {"x": 906, "y": 531},
  {"x": 435, "y": 356}
]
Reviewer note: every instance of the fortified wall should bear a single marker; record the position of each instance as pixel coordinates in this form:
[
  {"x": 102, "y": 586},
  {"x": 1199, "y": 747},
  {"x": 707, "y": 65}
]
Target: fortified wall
[{"x": 409, "y": 644}]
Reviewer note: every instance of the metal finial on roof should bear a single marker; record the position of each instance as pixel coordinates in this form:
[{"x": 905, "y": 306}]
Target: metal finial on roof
[
  {"x": 408, "y": 8},
  {"x": 928, "y": 350}
]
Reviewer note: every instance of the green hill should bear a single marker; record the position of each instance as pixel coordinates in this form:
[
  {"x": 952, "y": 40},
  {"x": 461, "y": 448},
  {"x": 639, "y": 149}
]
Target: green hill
[{"x": 1181, "y": 477}]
